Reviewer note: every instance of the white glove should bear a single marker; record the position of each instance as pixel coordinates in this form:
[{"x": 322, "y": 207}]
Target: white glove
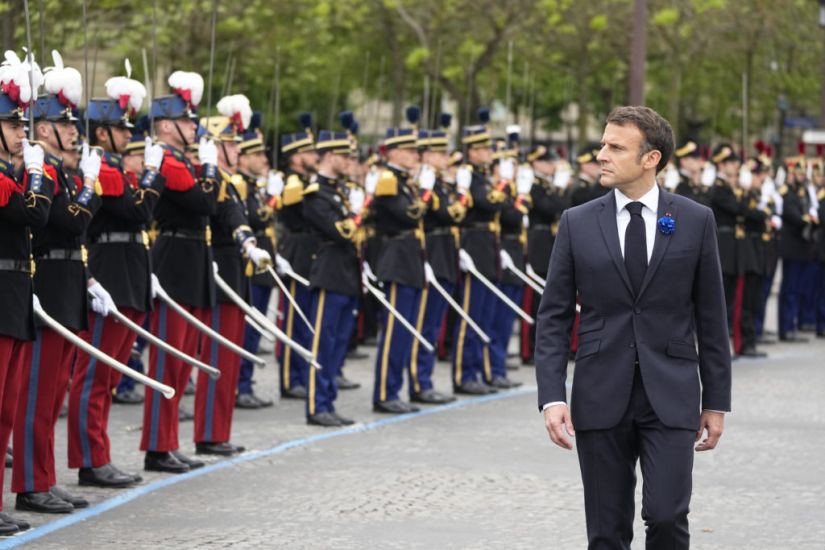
[
  {"x": 671, "y": 177},
  {"x": 152, "y": 155},
  {"x": 426, "y": 178},
  {"x": 506, "y": 260},
  {"x": 274, "y": 183},
  {"x": 259, "y": 257},
  {"x": 524, "y": 179},
  {"x": 356, "y": 199},
  {"x": 708, "y": 175},
  {"x": 506, "y": 169},
  {"x": 154, "y": 285},
  {"x": 35, "y": 302},
  {"x": 429, "y": 274},
  {"x": 776, "y": 222},
  {"x": 33, "y": 157},
  {"x": 207, "y": 152},
  {"x": 745, "y": 178},
  {"x": 282, "y": 266},
  {"x": 371, "y": 182},
  {"x": 465, "y": 262},
  {"x": 102, "y": 302},
  {"x": 463, "y": 179},
  {"x": 89, "y": 162}
]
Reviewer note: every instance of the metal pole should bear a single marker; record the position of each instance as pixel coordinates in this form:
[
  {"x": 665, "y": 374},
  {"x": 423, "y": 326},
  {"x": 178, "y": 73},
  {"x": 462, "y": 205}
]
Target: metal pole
[
  {"x": 509, "y": 79},
  {"x": 31, "y": 67},
  {"x": 275, "y": 147},
  {"x": 211, "y": 59}
]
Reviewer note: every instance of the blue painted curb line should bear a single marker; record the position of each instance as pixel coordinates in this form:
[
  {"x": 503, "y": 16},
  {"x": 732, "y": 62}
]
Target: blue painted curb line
[{"x": 137, "y": 492}]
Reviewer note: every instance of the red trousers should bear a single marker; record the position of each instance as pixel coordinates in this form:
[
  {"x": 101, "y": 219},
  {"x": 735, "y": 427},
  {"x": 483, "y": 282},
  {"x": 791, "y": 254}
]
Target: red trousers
[
  {"x": 11, "y": 363},
  {"x": 215, "y": 399},
  {"x": 44, "y": 376},
  {"x": 160, "y": 415},
  {"x": 90, "y": 397}
]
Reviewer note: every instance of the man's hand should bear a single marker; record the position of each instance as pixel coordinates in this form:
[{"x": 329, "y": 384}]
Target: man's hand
[
  {"x": 557, "y": 420},
  {"x": 714, "y": 423}
]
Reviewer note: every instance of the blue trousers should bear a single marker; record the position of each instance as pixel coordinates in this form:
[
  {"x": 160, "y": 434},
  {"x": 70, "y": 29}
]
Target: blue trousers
[
  {"x": 789, "y": 296},
  {"x": 293, "y": 368},
  {"x": 502, "y": 329},
  {"x": 332, "y": 316},
  {"x": 807, "y": 293},
  {"x": 431, "y": 310},
  {"x": 395, "y": 342},
  {"x": 471, "y": 357},
  {"x": 820, "y": 300},
  {"x": 259, "y": 299}
]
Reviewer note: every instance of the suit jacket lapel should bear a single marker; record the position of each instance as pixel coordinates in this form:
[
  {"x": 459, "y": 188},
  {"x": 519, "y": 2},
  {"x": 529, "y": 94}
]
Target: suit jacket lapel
[
  {"x": 610, "y": 232},
  {"x": 661, "y": 241}
]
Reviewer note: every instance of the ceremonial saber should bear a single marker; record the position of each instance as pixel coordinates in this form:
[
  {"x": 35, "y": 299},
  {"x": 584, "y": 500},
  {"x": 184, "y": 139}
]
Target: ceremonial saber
[
  {"x": 31, "y": 65},
  {"x": 291, "y": 299},
  {"x": 395, "y": 313},
  {"x": 499, "y": 294},
  {"x": 157, "y": 342},
  {"x": 297, "y": 277},
  {"x": 191, "y": 319},
  {"x": 265, "y": 323},
  {"x": 251, "y": 322},
  {"x": 527, "y": 280},
  {"x": 80, "y": 343},
  {"x": 459, "y": 310},
  {"x": 535, "y": 276}
]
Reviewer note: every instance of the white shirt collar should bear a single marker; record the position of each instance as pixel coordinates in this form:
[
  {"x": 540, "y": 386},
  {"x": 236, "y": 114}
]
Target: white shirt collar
[{"x": 649, "y": 199}]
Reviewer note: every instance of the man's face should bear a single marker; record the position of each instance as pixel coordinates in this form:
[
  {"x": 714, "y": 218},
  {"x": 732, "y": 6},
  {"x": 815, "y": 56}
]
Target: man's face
[
  {"x": 544, "y": 167},
  {"x": 757, "y": 178},
  {"x": 50, "y": 132},
  {"x": 437, "y": 159},
  {"x": 730, "y": 169},
  {"x": 14, "y": 132},
  {"x": 619, "y": 158},
  {"x": 480, "y": 156},
  {"x": 309, "y": 160},
  {"x": 228, "y": 152},
  {"x": 691, "y": 164},
  {"x": 255, "y": 164},
  {"x": 133, "y": 162},
  {"x": 120, "y": 136},
  {"x": 167, "y": 132},
  {"x": 404, "y": 158}
]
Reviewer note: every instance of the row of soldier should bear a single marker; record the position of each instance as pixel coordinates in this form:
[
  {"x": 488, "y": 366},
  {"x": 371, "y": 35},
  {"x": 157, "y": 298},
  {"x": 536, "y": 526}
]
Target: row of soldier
[{"x": 423, "y": 230}]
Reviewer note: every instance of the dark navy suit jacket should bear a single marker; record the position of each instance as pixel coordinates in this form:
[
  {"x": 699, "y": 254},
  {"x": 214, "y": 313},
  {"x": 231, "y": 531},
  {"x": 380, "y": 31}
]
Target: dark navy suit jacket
[{"x": 676, "y": 326}]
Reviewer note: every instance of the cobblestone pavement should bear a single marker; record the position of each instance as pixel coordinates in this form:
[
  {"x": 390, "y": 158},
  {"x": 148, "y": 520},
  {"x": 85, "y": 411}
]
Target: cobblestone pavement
[{"x": 481, "y": 476}]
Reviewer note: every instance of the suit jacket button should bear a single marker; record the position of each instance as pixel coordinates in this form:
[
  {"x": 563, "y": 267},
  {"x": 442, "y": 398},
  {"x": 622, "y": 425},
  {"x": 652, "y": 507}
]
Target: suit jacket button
[
  {"x": 637, "y": 310},
  {"x": 632, "y": 345}
]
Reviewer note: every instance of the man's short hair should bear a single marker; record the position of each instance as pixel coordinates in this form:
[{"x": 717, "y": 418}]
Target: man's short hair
[{"x": 656, "y": 131}]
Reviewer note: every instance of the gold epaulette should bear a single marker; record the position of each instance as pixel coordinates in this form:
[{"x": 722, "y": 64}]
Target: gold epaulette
[
  {"x": 436, "y": 202},
  {"x": 821, "y": 195},
  {"x": 783, "y": 190},
  {"x": 496, "y": 196},
  {"x": 311, "y": 188},
  {"x": 222, "y": 192},
  {"x": 294, "y": 190},
  {"x": 387, "y": 185},
  {"x": 240, "y": 185}
]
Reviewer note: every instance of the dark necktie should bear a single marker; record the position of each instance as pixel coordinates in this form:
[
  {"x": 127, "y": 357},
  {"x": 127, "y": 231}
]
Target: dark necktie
[{"x": 635, "y": 246}]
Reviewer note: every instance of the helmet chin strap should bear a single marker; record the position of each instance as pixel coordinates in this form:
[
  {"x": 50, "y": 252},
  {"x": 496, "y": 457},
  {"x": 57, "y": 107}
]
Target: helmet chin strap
[
  {"x": 3, "y": 139},
  {"x": 112, "y": 140},
  {"x": 180, "y": 134},
  {"x": 57, "y": 136}
]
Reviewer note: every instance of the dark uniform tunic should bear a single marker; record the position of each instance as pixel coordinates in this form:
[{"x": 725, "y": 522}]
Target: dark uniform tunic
[
  {"x": 261, "y": 218},
  {"x": 61, "y": 279},
  {"x": 299, "y": 242},
  {"x": 585, "y": 190},
  {"x": 230, "y": 229},
  {"x": 481, "y": 225},
  {"x": 548, "y": 204},
  {"x": 119, "y": 248},
  {"x": 444, "y": 212}
]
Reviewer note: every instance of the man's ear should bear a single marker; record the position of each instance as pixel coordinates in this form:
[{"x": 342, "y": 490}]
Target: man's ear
[{"x": 653, "y": 158}]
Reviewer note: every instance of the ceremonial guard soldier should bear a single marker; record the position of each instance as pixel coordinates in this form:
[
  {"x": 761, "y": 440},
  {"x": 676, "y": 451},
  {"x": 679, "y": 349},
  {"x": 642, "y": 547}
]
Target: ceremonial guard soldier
[
  {"x": 820, "y": 254},
  {"x": 62, "y": 284},
  {"x": 770, "y": 199},
  {"x": 795, "y": 246},
  {"x": 549, "y": 200},
  {"x": 261, "y": 203},
  {"x": 445, "y": 210},
  {"x": 334, "y": 275},
  {"x": 806, "y": 321},
  {"x": 727, "y": 209},
  {"x": 298, "y": 246},
  {"x": 236, "y": 257},
  {"x": 689, "y": 157},
  {"x": 480, "y": 244},
  {"x": 182, "y": 260},
  {"x": 587, "y": 185},
  {"x": 398, "y": 212},
  {"x": 25, "y": 199},
  {"x": 516, "y": 187},
  {"x": 119, "y": 260}
]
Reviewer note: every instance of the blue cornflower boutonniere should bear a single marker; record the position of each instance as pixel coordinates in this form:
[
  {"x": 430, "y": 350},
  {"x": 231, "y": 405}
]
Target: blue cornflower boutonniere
[{"x": 666, "y": 224}]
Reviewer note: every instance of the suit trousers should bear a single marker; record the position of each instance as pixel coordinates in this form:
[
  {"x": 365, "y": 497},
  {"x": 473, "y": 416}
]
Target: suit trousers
[
  {"x": 12, "y": 353},
  {"x": 332, "y": 316},
  {"x": 160, "y": 415},
  {"x": 471, "y": 357},
  {"x": 259, "y": 299},
  {"x": 294, "y": 369},
  {"x": 395, "y": 342},
  {"x": 90, "y": 396},
  {"x": 47, "y": 363},
  {"x": 501, "y": 330},
  {"x": 431, "y": 312},
  {"x": 608, "y": 466}
]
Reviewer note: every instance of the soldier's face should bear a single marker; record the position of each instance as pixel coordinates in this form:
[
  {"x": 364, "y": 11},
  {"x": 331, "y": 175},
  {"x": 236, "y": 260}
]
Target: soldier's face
[
  {"x": 120, "y": 138},
  {"x": 229, "y": 152},
  {"x": 255, "y": 163},
  {"x": 730, "y": 169},
  {"x": 545, "y": 167},
  {"x": 437, "y": 159},
  {"x": 67, "y": 132},
  {"x": 14, "y": 133},
  {"x": 309, "y": 160},
  {"x": 691, "y": 164},
  {"x": 133, "y": 163},
  {"x": 480, "y": 156},
  {"x": 620, "y": 161}
]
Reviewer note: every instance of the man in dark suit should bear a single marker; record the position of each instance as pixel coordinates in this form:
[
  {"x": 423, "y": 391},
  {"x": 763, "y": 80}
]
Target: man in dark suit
[{"x": 645, "y": 266}]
